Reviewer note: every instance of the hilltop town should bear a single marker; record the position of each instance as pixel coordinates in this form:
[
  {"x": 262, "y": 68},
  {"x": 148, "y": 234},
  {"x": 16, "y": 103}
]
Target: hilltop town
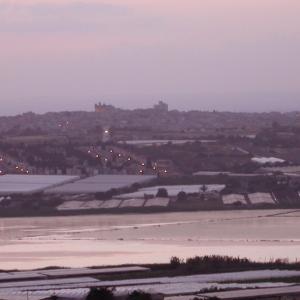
[{"x": 252, "y": 159}]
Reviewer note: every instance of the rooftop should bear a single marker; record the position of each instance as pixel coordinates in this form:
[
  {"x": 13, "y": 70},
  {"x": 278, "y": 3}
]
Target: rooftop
[
  {"x": 29, "y": 184},
  {"x": 100, "y": 183}
]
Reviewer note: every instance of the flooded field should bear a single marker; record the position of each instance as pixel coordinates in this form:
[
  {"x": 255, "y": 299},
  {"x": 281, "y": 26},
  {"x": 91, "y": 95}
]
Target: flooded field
[{"x": 77, "y": 241}]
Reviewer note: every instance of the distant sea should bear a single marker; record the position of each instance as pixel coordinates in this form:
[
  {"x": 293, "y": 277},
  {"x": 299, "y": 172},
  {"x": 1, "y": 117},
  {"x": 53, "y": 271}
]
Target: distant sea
[{"x": 77, "y": 241}]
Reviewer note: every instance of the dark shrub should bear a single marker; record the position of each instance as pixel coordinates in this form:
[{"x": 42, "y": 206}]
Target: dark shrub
[
  {"x": 162, "y": 193},
  {"x": 182, "y": 196},
  {"x": 175, "y": 262},
  {"x": 100, "y": 294},
  {"x": 139, "y": 295}
]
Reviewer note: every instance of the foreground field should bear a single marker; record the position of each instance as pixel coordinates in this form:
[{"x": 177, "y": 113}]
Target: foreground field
[{"x": 197, "y": 275}]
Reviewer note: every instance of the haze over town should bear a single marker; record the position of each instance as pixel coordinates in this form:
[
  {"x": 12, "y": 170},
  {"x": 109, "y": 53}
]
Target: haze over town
[{"x": 203, "y": 55}]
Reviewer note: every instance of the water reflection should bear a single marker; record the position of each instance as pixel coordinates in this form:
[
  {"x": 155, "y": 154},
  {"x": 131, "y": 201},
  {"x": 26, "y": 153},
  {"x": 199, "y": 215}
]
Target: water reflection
[{"x": 27, "y": 243}]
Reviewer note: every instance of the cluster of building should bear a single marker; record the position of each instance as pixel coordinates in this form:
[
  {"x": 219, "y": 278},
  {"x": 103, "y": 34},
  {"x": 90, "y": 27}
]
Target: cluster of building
[
  {"x": 56, "y": 194},
  {"x": 144, "y": 141},
  {"x": 86, "y": 160},
  {"x": 155, "y": 142},
  {"x": 157, "y": 118}
]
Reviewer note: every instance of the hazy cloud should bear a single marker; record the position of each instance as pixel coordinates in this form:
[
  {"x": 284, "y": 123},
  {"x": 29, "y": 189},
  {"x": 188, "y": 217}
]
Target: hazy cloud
[
  {"x": 76, "y": 8},
  {"x": 195, "y": 54},
  {"x": 44, "y": 8},
  {"x": 72, "y": 16}
]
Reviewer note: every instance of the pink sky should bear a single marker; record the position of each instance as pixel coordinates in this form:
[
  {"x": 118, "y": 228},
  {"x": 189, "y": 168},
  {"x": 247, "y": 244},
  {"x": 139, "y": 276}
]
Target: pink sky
[{"x": 195, "y": 54}]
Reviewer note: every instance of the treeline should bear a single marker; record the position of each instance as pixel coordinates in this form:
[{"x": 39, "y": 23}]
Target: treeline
[
  {"x": 105, "y": 293},
  {"x": 217, "y": 263}
]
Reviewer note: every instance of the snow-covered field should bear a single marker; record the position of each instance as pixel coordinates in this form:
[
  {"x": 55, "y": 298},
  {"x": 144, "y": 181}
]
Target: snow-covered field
[
  {"x": 234, "y": 198},
  {"x": 256, "y": 234},
  {"x": 157, "y": 202},
  {"x": 94, "y": 204},
  {"x": 97, "y": 204},
  {"x": 207, "y": 278},
  {"x": 111, "y": 204},
  {"x": 166, "y": 289},
  {"x": 132, "y": 203},
  {"x": 194, "y": 287},
  {"x": 261, "y": 198},
  {"x": 265, "y": 160},
  {"x": 70, "y": 205},
  {"x": 166, "y": 285}
]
